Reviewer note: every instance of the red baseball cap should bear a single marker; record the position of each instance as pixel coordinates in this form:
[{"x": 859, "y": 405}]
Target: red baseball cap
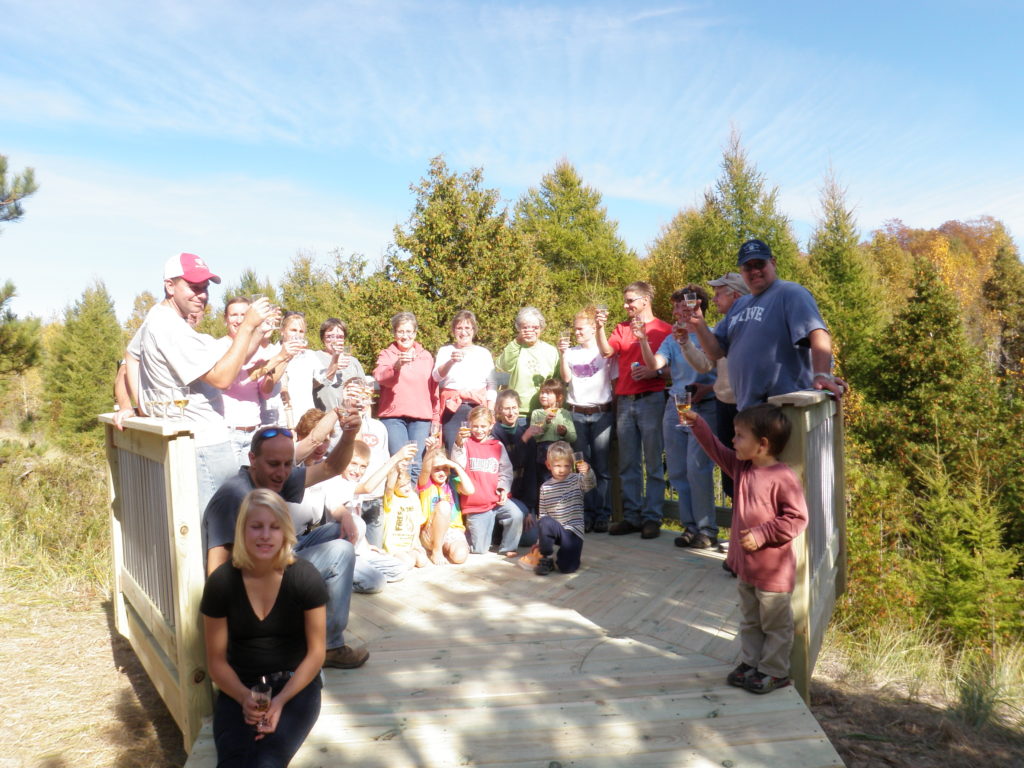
[{"x": 190, "y": 267}]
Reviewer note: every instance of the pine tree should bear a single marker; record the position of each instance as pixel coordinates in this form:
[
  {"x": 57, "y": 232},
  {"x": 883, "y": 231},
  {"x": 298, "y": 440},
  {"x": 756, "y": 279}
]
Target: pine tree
[
  {"x": 568, "y": 228},
  {"x": 19, "y": 338},
  {"x": 847, "y": 286},
  {"x": 928, "y": 382},
  {"x": 457, "y": 251},
  {"x": 14, "y": 190},
  {"x": 80, "y": 365},
  {"x": 701, "y": 244},
  {"x": 964, "y": 573}
]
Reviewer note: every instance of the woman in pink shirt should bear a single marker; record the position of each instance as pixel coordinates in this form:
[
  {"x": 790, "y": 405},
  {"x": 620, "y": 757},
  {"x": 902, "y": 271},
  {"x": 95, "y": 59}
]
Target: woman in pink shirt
[{"x": 407, "y": 389}]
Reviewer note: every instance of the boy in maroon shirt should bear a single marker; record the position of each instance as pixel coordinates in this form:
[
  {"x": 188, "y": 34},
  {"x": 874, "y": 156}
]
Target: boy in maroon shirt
[{"x": 768, "y": 512}]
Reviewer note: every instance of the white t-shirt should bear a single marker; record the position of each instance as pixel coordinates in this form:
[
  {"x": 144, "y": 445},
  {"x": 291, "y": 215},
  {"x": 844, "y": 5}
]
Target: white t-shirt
[
  {"x": 474, "y": 371},
  {"x": 301, "y": 370},
  {"x": 591, "y": 382},
  {"x": 375, "y": 435},
  {"x": 172, "y": 354}
]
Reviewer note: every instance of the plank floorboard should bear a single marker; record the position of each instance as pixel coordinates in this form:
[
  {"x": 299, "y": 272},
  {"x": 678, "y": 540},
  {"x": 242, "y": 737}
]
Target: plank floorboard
[{"x": 620, "y": 664}]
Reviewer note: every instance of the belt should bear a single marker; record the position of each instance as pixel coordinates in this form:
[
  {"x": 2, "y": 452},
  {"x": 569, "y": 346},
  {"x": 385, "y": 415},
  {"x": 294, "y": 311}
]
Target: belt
[
  {"x": 246, "y": 429},
  {"x": 642, "y": 395},
  {"x": 589, "y": 410}
]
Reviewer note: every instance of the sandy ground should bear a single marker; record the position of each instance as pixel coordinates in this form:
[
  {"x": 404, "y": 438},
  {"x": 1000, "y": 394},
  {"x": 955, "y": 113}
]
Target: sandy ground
[{"x": 79, "y": 698}]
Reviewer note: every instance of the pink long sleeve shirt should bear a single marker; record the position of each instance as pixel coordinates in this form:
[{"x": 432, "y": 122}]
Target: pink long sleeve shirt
[
  {"x": 408, "y": 391},
  {"x": 769, "y": 502}
]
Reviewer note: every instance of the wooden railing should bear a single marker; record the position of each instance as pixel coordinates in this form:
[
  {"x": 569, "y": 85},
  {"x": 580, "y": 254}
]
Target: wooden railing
[
  {"x": 158, "y": 560},
  {"x": 815, "y": 452}
]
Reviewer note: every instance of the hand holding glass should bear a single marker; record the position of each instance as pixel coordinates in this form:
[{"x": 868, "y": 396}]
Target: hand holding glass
[{"x": 684, "y": 403}]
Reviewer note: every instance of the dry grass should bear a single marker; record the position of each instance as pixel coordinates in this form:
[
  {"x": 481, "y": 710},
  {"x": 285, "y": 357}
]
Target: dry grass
[
  {"x": 898, "y": 699},
  {"x": 78, "y": 696}
]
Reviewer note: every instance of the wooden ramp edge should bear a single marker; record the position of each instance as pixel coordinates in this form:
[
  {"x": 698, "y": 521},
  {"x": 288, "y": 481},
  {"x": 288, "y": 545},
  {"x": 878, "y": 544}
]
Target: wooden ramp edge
[{"x": 620, "y": 664}]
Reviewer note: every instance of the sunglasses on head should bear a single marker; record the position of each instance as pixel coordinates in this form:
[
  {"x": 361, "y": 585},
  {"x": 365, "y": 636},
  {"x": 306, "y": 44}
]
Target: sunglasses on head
[{"x": 274, "y": 432}]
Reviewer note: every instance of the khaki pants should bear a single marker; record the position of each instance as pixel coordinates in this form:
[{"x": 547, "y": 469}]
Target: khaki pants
[{"x": 766, "y": 629}]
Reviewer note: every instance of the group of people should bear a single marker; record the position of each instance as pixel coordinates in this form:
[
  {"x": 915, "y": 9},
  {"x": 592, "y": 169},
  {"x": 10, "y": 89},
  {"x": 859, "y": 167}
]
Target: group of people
[{"x": 309, "y": 496}]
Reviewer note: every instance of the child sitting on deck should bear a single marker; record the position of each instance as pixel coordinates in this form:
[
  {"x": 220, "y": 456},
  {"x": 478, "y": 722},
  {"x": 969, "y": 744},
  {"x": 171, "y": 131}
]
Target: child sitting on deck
[
  {"x": 561, "y": 513},
  {"x": 768, "y": 512},
  {"x": 443, "y": 534},
  {"x": 401, "y": 513},
  {"x": 487, "y": 464}
]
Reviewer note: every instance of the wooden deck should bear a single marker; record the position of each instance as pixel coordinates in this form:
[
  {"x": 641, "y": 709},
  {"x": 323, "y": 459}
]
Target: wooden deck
[{"x": 620, "y": 664}]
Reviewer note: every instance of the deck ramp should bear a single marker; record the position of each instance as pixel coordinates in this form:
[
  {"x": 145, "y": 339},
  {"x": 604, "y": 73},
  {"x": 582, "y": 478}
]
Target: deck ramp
[{"x": 620, "y": 664}]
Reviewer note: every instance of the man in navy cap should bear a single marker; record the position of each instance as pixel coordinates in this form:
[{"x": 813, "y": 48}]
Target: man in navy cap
[{"x": 774, "y": 338}]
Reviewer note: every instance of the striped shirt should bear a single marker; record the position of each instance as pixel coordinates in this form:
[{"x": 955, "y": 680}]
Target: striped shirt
[{"x": 562, "y": 500}]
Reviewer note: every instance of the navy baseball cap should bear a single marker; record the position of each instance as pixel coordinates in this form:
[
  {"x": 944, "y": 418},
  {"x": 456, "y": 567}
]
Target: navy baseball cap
[{"x": 753, "y": 249}]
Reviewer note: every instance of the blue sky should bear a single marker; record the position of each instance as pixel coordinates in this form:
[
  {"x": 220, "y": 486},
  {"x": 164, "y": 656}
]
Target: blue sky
[{"x": 248, "y": 131}]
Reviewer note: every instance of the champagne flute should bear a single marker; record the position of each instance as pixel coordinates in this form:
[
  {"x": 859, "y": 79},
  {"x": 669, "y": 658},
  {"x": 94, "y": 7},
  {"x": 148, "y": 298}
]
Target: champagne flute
[
  {"x": 181, "y": 395},
  {"x": 684, "y": 403},
  {"x": 261, "y": 693}
]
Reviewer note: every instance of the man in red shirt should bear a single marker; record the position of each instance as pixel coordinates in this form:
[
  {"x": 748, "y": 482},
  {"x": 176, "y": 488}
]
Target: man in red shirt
[{"x": 640, "y": 393}]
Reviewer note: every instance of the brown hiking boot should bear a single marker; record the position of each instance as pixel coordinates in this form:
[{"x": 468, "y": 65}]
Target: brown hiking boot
[{"x": 346, "y": 657}]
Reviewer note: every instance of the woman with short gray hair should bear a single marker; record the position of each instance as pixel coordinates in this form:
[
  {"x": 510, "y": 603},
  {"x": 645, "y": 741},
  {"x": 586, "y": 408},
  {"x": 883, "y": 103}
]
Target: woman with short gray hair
[{"x": 527, "y": 360}]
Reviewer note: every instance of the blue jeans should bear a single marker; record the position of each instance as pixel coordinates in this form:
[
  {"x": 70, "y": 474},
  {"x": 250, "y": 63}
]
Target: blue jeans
[
  {"x": 335, "y": 559},
  {"x": 236, "y": 747},
  {"x": 594, "y": 439},
  {"x": 480, "y": 528},
  {"x": 570, "y": 546},
  {"x": 451, "y": 421},
  {"x": 400, "y": 432},
  {"x": 214, "y": 464},
  {"x": 240, "y": 443},
  {"x": 690, "y": 470},
  {"x": 638, "y": 427}
]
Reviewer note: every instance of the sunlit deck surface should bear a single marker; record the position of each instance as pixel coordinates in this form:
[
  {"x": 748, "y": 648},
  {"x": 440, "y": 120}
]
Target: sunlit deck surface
[{"x": 620, "y": 664}]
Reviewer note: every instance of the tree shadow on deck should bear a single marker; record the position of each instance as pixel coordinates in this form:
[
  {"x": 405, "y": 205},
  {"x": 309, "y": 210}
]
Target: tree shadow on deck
[{"x": 488, "y": 664}]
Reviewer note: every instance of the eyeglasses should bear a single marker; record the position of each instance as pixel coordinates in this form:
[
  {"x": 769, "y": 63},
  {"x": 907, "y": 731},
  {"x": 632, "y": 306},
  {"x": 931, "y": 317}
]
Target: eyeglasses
[
  {"x": 753, "y": 264},
  {"x": 634, "y": 299}
]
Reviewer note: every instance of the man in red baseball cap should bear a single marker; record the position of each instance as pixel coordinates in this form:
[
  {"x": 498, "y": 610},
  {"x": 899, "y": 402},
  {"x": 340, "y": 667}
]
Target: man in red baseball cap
[{"x": 172, "y": 354}]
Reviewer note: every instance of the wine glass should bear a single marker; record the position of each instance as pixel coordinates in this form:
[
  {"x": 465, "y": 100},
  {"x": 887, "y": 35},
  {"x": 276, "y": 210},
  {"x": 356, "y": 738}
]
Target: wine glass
[
  {"x": 181, "y": 395},
  {"x": 261, "y": 693},
  {"x": 690, "y": 298},
  {"x": 577, "y": 459},
  {"x": 684, "y": 403}
]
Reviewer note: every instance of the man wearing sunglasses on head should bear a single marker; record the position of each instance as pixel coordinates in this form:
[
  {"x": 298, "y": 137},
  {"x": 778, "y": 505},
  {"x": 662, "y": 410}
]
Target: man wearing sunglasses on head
[
  {"x": 272, "y": 466},
  {"x": 774, "y": 339}
]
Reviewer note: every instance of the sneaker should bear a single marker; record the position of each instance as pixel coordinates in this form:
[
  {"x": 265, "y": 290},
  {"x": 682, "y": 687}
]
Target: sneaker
[
  {"x": 623, "y": 527},
  {"x": 651, "y": 530},
  {"x": 346, "y": 657},
  {"x": 756, "y": 682},
  {"x": 529, "y": 561},
  {"x": 545, "y": 566},
  {"x": 600, "y": 526},
  {"x": 703, "y": 541},
  {"x": 738, "y": 676},
  {"x": 685, "y": 539}
]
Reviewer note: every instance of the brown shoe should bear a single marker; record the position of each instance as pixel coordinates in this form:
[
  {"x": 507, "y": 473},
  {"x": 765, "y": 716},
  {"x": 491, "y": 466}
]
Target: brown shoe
[
  {"x": 623, "y": 528},
  {"x": 346, "y": 657},
  {"x": 650, "y": 530}
]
